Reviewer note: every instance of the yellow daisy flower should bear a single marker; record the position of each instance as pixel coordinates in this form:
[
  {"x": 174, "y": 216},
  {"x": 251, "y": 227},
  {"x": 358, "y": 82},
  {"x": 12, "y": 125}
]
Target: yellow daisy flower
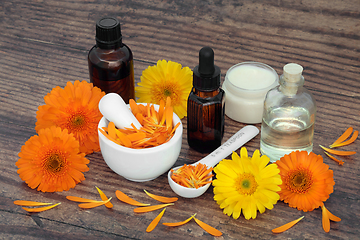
[
  {"x": 166, "y": 79},
  {"x": 246, "y": 184}
]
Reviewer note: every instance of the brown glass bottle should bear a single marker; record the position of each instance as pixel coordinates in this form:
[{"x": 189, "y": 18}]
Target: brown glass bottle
[
  {"x": 110, "y": 61},
  {"x": 206, "y": 105}
]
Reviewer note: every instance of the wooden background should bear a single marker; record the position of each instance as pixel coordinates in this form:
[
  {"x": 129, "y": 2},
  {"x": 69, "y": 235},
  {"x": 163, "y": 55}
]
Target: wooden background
[{"x": 44, "y": 44}]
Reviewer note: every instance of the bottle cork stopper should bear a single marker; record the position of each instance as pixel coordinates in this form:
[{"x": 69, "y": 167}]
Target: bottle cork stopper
[{"x": 292, "y": 72}]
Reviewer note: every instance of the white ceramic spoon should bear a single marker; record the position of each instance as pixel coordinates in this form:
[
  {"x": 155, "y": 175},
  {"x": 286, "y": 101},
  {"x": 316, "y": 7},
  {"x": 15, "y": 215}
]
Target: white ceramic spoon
[
  {"x": 237, "y": 140},
  {"x": 115, "y": 110}
]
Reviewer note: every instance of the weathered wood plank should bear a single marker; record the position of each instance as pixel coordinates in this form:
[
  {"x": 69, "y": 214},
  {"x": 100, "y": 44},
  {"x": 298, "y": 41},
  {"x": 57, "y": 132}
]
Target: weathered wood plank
[{"x": 44, "y": 44}]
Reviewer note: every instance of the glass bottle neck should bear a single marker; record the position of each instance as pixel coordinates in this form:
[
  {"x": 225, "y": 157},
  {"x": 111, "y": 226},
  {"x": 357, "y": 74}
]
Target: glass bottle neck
[
  {"x": 290, "y": 88},
  {"x": 206, "y": 94}
]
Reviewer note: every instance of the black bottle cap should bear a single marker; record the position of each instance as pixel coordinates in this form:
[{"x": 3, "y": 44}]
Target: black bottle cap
[
  {"x": 108, "y": 33},
  {"x": 206, "y": 75}
]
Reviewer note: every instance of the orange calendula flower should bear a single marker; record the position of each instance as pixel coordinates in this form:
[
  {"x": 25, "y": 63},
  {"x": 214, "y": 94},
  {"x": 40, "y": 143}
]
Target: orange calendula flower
[
  {"x": 307, "y": 182},
  {"x": 166, "y": 79},
  {"x": 74, "y": 108},
  {"x": 51, "y": 162}
]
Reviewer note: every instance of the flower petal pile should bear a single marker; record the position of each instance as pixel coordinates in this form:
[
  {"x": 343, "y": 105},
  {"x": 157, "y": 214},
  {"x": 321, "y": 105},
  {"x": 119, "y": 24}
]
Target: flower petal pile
[
  {"x": 157, "y": 126},
  {"x": 166, "y": 79},
  {"x": 51, "y": 161},
  {"x": 74, "y": 108},
  {"x": 246, "y": 184},
  {"x": 307, "y": 182}
]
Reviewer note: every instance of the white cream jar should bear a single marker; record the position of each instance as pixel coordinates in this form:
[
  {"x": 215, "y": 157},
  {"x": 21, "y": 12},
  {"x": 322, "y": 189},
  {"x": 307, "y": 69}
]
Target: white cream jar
[{"x": 246, "y": 85}]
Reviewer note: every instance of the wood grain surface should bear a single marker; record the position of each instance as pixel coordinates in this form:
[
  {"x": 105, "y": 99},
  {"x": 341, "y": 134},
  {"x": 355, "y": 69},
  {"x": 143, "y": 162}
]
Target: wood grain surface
[{"x": 44, "y": 44}]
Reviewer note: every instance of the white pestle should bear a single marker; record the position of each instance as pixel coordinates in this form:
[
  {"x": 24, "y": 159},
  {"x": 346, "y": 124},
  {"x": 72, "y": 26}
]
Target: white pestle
[
  {"x": 236, "y": 141},
  {"x": 115, "y": 110}
]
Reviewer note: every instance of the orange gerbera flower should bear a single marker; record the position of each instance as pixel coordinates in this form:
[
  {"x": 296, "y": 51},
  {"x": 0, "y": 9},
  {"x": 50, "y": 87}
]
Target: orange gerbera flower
[
  {"x": 51, "y": 161},
  {"x": 74, "y": 108},
  {"x": 307, "y": 182}
]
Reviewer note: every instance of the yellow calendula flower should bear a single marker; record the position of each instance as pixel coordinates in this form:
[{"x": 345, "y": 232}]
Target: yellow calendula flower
[
  {"x": 166, "y": 79},
  {"x": 246, "y": 184}
]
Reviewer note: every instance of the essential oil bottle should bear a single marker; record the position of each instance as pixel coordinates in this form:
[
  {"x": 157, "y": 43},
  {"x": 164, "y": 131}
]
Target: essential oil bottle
[
  {"x": 110, "y": 61},
  {"x": 288, "y": 117},
  {"x": 206, "y": 105}
]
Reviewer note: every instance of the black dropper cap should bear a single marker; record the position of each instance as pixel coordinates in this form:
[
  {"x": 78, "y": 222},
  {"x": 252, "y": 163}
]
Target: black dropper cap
[
  {"x": 206, "y": 75},
  {"x": 108, "y": 33}
]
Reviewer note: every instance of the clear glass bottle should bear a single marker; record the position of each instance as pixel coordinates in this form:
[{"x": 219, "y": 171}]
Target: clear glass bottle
[
  {"x": 288, "y": 117},
  {"x": 110, "y": 61},
  {"x": 206, "y": 105}
]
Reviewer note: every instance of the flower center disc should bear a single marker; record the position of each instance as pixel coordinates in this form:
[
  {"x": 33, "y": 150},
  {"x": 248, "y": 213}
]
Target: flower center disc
[
  {"x": 246, "y": 184},
  {"x": 54, "y": 163},
  {"x": 299, "y": 181}
]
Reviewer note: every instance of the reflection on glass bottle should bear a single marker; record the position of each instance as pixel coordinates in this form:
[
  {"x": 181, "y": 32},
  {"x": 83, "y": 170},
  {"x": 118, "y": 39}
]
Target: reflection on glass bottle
[{"x": 288, "y": 117}]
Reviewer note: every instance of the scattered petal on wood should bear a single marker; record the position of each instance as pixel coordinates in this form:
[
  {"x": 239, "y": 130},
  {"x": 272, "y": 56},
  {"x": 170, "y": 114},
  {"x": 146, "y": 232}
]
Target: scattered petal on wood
[
  {"x": 344, "y": 136},
  {"x": 325, "y": 220},
  {"x": 208, "y": 228},
  {"x": 30, "y": 203},
  {"x": 126, "y": 199},
  {"x": 337, "y": 152},
  {"x": 79, "y": 199},
  {"x": 176, "y": 224},
  {"x": 286, "y": 226},
  {"x": 155, "y": 222},
  {"x": 335, "y": 159},
  {"x": 93, "y": 204},
  {"x": 351, "y": 140},
  {"x": 40, "y": 209},
  {"x": 151, "y": 208},
  {"x": 104, "y": 198},
  {"x": 161, "y": 199},
  {"x": 331, "y": 216}
]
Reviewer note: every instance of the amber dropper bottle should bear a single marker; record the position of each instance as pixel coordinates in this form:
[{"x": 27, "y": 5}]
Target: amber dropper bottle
[
  {"x": 206, "y": 105},
  {"x": 110, "y": 61}
]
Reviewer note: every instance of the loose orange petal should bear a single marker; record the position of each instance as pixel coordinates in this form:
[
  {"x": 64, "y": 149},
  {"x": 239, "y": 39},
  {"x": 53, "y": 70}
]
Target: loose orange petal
[
  {"x": 41, "y": 209},
  {"x": 93, "y": 204},
  {"x": 332, "y": 217},
  {"x": 351, "y": 140},
  {"x": 111, "y": 130},
  {"x": 155, "y": 222},
  {"x": 151, "y": 208},
  {"x": 176, "y": 224},
  {"x": 286, "y": 226},
  {"x": 30, "y": 203},
  {"x": 325, "y": 219},
  {"x": 344, "y": 136},
  {"x": 333, "y": 158},
  {"x": 104, "y": 198},
  {"x": 136, "y": 136},
  {"x": 337, "y": 152},
  {"x": 160, "y": 198},
  {"x": 208, "y": 228},
  {"x": 126, "y": 199},
  {"x": 79, "y": 199}
]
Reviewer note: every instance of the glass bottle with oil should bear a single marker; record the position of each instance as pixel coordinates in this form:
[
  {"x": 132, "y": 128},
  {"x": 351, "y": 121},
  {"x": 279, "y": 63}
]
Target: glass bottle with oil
[
  {"x": 110, "y": 61},
  {"x": 288, "y": 117},
  {"x": 206, "y": 105}
]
